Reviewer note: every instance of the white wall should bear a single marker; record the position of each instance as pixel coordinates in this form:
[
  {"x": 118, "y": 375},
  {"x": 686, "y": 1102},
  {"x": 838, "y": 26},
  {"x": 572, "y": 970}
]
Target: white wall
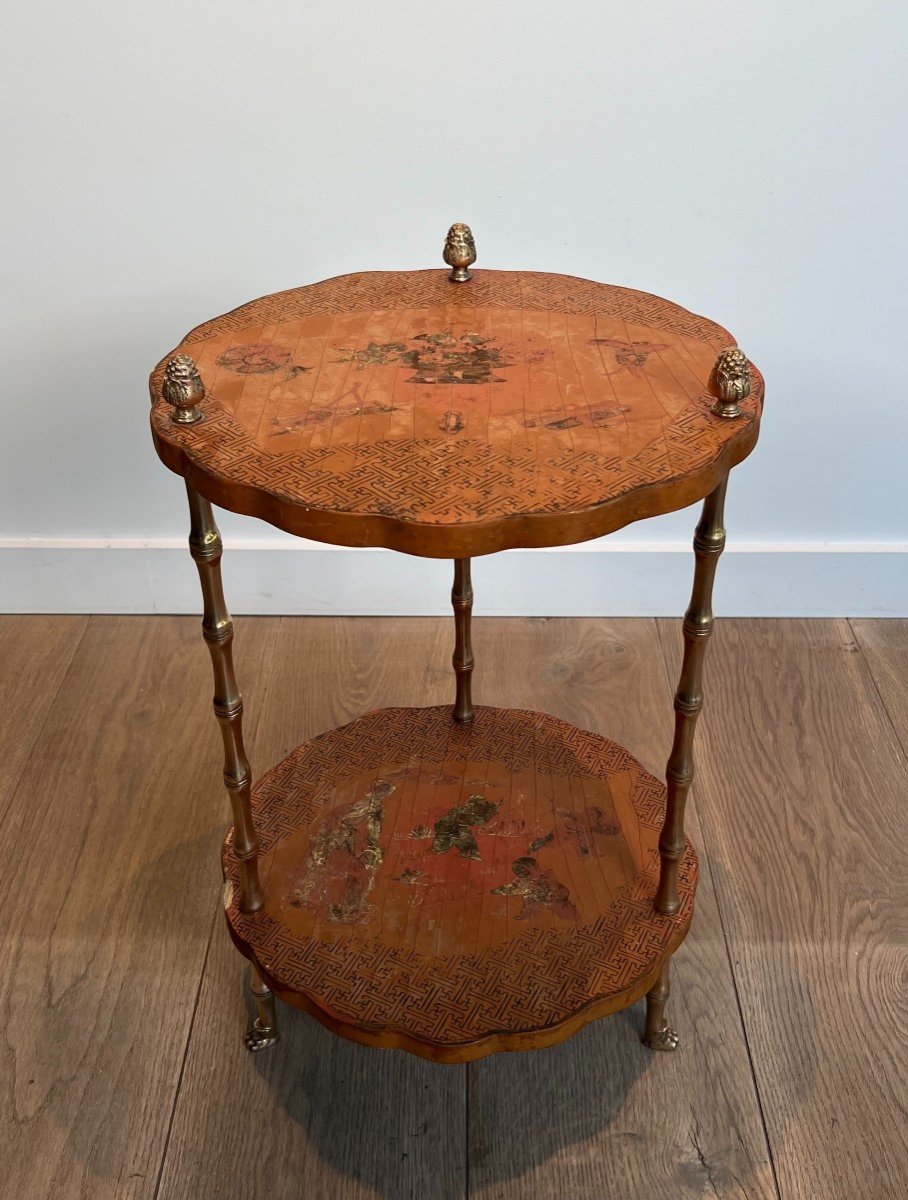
[{"x": 168, "y": 161}]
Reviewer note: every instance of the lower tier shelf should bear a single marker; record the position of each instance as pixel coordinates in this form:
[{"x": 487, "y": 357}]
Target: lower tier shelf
[{"x": 458, "y": 889}]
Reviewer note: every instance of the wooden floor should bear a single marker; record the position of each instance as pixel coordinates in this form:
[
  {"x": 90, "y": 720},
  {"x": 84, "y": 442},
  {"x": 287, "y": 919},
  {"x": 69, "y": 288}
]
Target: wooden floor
[{"x": 123, "y": 1073}]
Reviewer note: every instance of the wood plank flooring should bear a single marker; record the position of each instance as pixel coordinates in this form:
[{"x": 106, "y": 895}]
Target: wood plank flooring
[{"x": 122, "y": 1003}]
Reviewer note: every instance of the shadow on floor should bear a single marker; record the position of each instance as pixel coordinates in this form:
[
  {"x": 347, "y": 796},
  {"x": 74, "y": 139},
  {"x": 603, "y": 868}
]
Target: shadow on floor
[{"x": 400, "y": 1125}]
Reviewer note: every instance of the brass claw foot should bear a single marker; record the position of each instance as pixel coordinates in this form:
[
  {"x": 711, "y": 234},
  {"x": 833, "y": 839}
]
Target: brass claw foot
[
  {"x": 664, "y": 1038},
  {"x": 262, "y": 1033},
  {"x": 657, "y": 1033},
  {"x": 260, "y": 1036}
]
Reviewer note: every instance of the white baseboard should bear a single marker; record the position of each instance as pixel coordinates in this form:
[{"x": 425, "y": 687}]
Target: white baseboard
[{"x": 616, "y": 578}]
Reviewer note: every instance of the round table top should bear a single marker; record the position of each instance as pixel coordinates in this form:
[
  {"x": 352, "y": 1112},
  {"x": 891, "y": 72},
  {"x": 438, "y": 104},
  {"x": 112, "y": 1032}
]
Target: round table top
[
  {"x": 447, "y": 419},
  {"x": 456, "y": 889}
]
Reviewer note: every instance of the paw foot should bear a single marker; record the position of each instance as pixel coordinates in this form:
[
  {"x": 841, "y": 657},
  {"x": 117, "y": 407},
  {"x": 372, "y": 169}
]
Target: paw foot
[
  {"x": 664, "y": 1038},
  {"x": 259, "y": 1036}
]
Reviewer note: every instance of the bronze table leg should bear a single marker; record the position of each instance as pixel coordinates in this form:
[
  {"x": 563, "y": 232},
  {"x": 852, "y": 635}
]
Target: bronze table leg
[
  {"x": 263, "y": 1032},
  {"x": 658, "y": 1034},
  {"x": 217, "y": 629},
  {"x": 709, "y": 542},
  {"x": 462, "y": 602}
]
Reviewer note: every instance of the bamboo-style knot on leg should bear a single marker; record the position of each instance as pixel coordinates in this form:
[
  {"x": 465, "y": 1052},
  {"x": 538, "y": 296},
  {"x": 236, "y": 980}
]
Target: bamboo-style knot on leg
[
  {"x": 688, "y": 706},
  {"x": 217, "y": 635},
  {"x": 709, "y": 541},
  {"x": 697, "y": 628},
  {"x": 205, "y": 544}
]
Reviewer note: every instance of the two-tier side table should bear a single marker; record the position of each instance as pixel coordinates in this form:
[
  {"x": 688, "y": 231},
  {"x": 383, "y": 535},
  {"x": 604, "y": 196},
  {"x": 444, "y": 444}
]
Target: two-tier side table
[{"x": 465, "y": 879}]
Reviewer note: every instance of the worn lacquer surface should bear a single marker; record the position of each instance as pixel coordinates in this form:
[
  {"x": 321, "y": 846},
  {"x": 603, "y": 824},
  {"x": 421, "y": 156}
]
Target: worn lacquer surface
[
  {"x": 454, "y": 880},
  {"x": 397, "y": 397}
]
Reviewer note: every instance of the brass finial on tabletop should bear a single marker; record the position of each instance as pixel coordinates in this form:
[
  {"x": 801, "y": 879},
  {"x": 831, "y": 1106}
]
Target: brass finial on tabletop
[
  {"x": 729, "y": 382},
  {"x": 183, "y": 388},
  {"x": 459, "y": 252}
]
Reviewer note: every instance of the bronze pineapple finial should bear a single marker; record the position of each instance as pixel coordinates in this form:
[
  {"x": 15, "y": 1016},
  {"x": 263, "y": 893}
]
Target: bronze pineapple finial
[
  {"x": 459, "y": 252},
  {"x": 183, "y": 388},
  {"x": 729, "y": 382}
]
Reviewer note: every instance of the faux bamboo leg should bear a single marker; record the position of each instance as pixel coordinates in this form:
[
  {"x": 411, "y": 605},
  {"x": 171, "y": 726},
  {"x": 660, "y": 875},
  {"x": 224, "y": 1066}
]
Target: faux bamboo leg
[
  {"x": 462, "y": 601},
  {"x": 217, "y": 628},
  {"x": 658, "y": 1034},
  {"x": 709, "y": 542},
  {"x": 263, "y": 1032}
]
